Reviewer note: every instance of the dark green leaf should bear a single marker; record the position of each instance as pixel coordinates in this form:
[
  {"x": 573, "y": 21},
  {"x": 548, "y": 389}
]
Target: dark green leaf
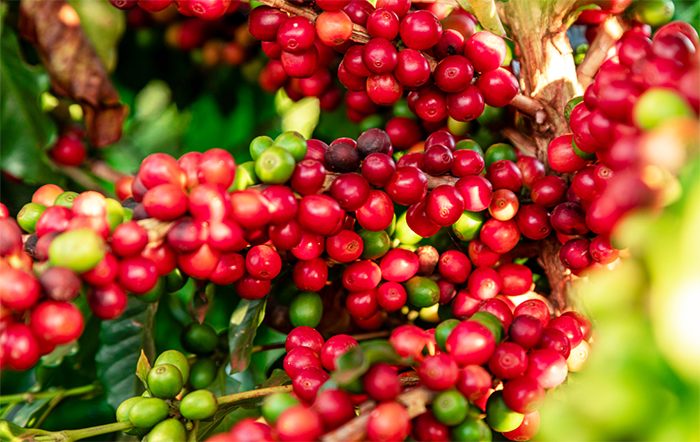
[
  {"x": 244, "y": 323},
  {"x": 25, "y": 412},
  {"x": 207, "y": 130},
  {"x": 277, "y": 378},
  {"x": 55, "y": 358},
  {"x": 26, "y": 129},
  {"x": 122, "y": 341}
]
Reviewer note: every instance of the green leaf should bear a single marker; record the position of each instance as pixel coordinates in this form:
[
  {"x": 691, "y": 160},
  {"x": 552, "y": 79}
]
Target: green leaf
[
  {"x": 277, "y": 378},
  {"x": 55, "y": 358},
  {"x": 207, "y": 130},
  {"x": 122, "y": 341},
  {"x": 25, "y": 412},
  {"x": 26, "y": 129},
  {"x": 142, "y": 369},
  {"x": 244, "y": 323},
  {"x": 353, "y": 364}
]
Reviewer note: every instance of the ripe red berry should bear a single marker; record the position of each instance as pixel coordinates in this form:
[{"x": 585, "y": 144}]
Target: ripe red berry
[
  {"x": 311, "y": 275},
  {"x": 335, "y": 347},
  {"x": 108, "y": 301},
  {"x": 470, "y": 343},
  {"x": 129, "y": 239},
  {"x": 486, "y": 51},
  {"x": 137, "y": 275},
  {"x": 508, "y": 361},
  {"x": 420, "y": 30},
  {"x": 439, "y": 372},
  {"x": 19, "y": 290},
  {"x": 56, "y": 322},
  {"x": 68, "y": 151},
  {"x": 299, "y": 423},
  {"x": 307, "y": 382}
]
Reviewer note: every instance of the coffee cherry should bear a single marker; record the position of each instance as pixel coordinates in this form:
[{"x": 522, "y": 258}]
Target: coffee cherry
[
  {"x": 250, "y": 208},
  {"x": 533, "y": 221},
  {"x": 480, "y": 255},
  {"x": 439, "y": 372},
  {"x": 575, "y": 254},
  {"x": 486, "y": 51},
  {"x": 362, "y": 305},
  {"x": 307, "y": 382},
  {"x": 198, "y": 338},
  {"x": 147, "y": 412},
  {"x": 251, "y": 288},
  {"x": 333, "y": 28},
  {"x": 412, "y": 69},
  {"x": 68, "y": 151},
  {"x": 19, "y": 290},
  {"x": 28, "y": 216},
  {"x": 377, "y": 213},
  {"x": 444, "y": 205},
  {"x": 60, "y": 284},
  {"x": 200, "y": 404},
  {"x": 20, "y": 347},
  {"x": 129, "y": 239},
  {"x": 165, "y": 381},
  {"x": 466, "y": 105},
  {"x": 108, "y": 301},
  {"x": 388, "y": 421},
  {"x": 399, "y": 265},
  {"x": 499, "y": 416},
  {"x": 169, "y": 429},
  {"x": 534, "y": 308},
  {"x": 342, "y": 158},
  {"x": 56, "y": 322},
  {"x": 310, "y": 246},
  {"x": 527, "y": 430},
  {"x": 570, "y": 327},
  {"x": 407, "y": 186},
  {"x": 391, "y": 296},
  {"x": 556, "y": 340},
  {"x": 335, "y": 347},
  {"x": 381, "y": 382},
  {"x": 470, "y": 343},
  {"x": 296, "y": 34},
  {"x": 10, "y": 237},
  {"x": 310, "y": 275},
  {"x": 304, "y": 337},
  {"x": 547, "y": 367},
  {"x": 471, "y": 429},
  {"x": 306, "y": 309},
  {"x": 79, "y": 250},
  {"x": 335, "y": 408},
  {"x": 431, "y": 104},
  {"x": 526, "y": 331},
  {"x": 263, "y": 262},
  {"x": 46, "y": 195},
  {"x": 450, "y": 407},
  {"x": 275, "y": 404},
  {"x": 474, "y": 382},
  {"x": 104, "y": 272},
  {"x": 299, "y": 423},
  {"x": 420, "y": 30},
  {"x": 264, "y": 22},
  {"x": 498, "y": 87},
  {"x": 300, "y": 65},
  {"x": 453, "y": 74}
]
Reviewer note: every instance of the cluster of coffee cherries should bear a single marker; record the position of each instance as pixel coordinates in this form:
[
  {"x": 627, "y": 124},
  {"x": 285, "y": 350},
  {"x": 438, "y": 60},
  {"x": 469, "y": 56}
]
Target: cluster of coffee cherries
[
  {"x": 437, "y": 66},
  {"x": 171, "y": 399},
  {"x": 639, "y": 15},
  {"x": 498, "y": 362},
  {"x": 643, "y": 85}
]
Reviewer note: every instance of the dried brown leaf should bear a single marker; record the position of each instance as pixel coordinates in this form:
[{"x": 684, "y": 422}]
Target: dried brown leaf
[{"x": 75, "y": 69}]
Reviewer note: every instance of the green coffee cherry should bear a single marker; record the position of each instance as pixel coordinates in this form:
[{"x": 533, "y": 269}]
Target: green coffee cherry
[
  {"x": 245, "y": 176},
  {"x": 392, "y": 227},
  {"x": 275, "y": 405},
  {"x": 65, "y": 199},
  {"x": 468, "y": 225},
  {"x": 174, "y": 357},
  {"x": 469, "y": 144},
  {"x": 657, "y": 105},
  {"x": 147, "y": 412},
  {"x": 450, "y": 407},
  {"x": 202, "y": 373},
  {"x": 306, "y": 309},
  {"x": 422, "y": 291},
  {"x": 401, "y": 109},
  {"x": 375, "y": 244},
  {"x": 499, "y": 151},
  {"x": 28, "y": 216},
  {"x": 165, "y": 381},
  {"x": 175, "y": 280},
  {"x": 123, "y": 415},
  {"x": 654, "y": 12},
  {"x": 128, "y": 214},
  {"x": 115, "y": 213},
  {"x": 492, "y": 116},
  {"x": 80, "y": 250},
  {"x": 443, "y": 330},
  {"x": 170, "y": 430},
  {"x": 570, "y": 105},
  {"x": 499, "y": 416},
  {"x": 491, "y": 322},
  {"x": 485, "y": 136},
  {"x": 258, "y": 145},
  {"x": 275, "y": 165},
  {"x": 403, "y": 234},
  {"x": 198, "y": 405},
  {"x": 155, "y": 293},
  {"x": 370, "y": 122},
  {"x": 472, "y": 430},
  {"x": 198, "y": 338},
  {"x": 458, "y": 128},
  {"x": 294, "y": 143}
]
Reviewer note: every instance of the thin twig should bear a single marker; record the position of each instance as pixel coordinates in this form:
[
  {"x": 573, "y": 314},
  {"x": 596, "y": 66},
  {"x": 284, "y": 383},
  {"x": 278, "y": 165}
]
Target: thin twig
[
  {"x": 609, "y": 32},
  {"x": 415, "y": 401},
  {"x": 30, "y": 397}
]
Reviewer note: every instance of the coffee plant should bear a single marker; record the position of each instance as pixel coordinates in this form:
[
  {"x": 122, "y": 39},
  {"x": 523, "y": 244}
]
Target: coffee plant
[{"x": 287, "y": 220}]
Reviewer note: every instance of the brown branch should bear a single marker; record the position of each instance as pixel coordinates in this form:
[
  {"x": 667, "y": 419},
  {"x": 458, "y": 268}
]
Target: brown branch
[
  {"x": 520, "y": 140},
  {"x": 609, "y": 32},
  {"x": 530, "y": 107},
  {"x": 103, "y": 171},
  {"x": 414, "y": 400}
]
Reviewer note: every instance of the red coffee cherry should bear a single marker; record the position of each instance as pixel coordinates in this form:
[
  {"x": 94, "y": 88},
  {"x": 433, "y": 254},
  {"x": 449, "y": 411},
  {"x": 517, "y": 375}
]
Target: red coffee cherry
[
  {"x": 474, "y": 382},
  {"x": 335, "y": 347},
  {"x": 299, "y": 423},
  {"x": 300, "y": 358},
  {"x": 533, "y": 221},
  {"x": 226, "y": 236},
  {"x": 531, "y": 168},
  {"x": 556, "y": 340},
  {"x": 56, "y": 322},
  {"x": 229, "y": 269},
  {"x": 137, "y": 275},
  {"x": 500, "y": 236},
  {"x": 391, "y": 296},
  {"x": 246, "y": 430},
  {"x": 412, "y": 70},
  {"x": 129, "y": 238},
  {"x": 381, "y": 382},
  {"x": 68, "y": 151},
  {"x": 454, "y": 266},
  {"x": 359, "y": 276},
  {"x": 11, "y": 235},
  {"x": 320, "y": 214},
  {"x": 362, "y": 305},
  {"x": 335, "y": 408},
  {"x": 285, "y": 236},
  {"x": 526, "y": 331},
  {"x": 307, "y": 382},
  {"x": 304, "y": 336},
  {"x": 409, "y": 341},
  {"x": 426, "y": 427},
  {"x": 377, "y": 213},
  {"x": 380, "y": 56},
  {"x": 90, "y": 203},
  {"x": 453, "y": 74},
  {"x": 480, "y": 255},
  {"x": 486, "y": 51},
  {"x": 407, "y": 186},
  {"x": 310, "y": 246},
  {"x": 499, "y": 309},
  {"x": 418, "y": 221},
  {"x": 250, "y": 209},
  {"x": 209, "y": 202},
  {"x": 108, "y": 301},
  {"x": 399, "y": 265},
  {"x": 264, "y": 21},
  {"x": 498, "y": 87},
  {"x": 534, "y": 308},
  {"x": 476, "y": 191},
  {"x": 263, "y": 262},
  {"x": 444, "y": 205},
  {"x": 165, "y": 201},
  {"x": 311, "y": 275},
  {"x": 470, "y": 343},
  {"x": 523, "y": 395},
  {"x": 547, "y": 367},
  {"x": 420, "y": 30},
  {"x": 159, "y": 168},
  {"x": 163, "y": 256},
  {"x": 346, "y": 246},
  {"x": 104, "y": 272},
  {"x": 19, "y": 290},
  {"x": 20, "y": 348},
  {"x": 383, "y": 23},
  {"x": 516, "y": 278},
  {"x": 484, "y": 283},
  {"x": 281, "y": 203},
  {"x": 333, "y": 28},
  {"x": 388, "y": 421},
  {"x": 60, "y": 284},
  {"x": 508, "y": 361},
  {"x": 296, "y": 34},
  {"x": 439, "y": 372}
]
